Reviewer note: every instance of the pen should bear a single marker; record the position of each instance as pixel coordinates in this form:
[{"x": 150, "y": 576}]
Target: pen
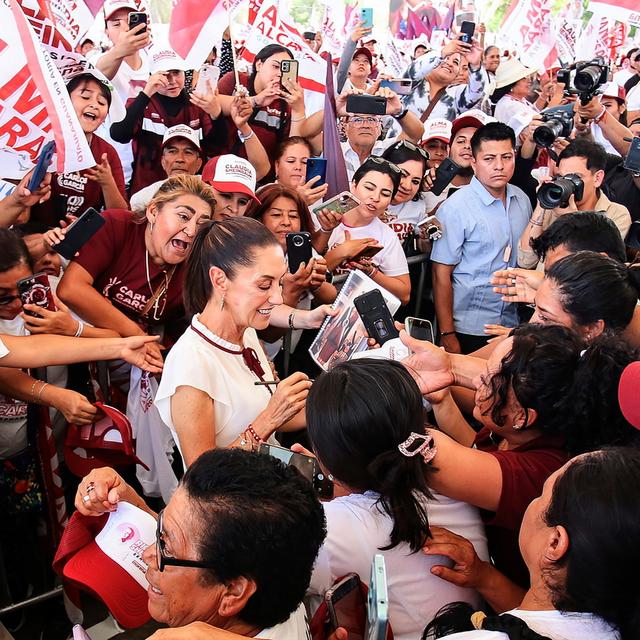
[{"x": 263, "y": 383}]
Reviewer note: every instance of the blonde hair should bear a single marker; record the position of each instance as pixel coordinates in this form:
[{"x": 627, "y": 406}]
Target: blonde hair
[{"x": 177, "y": 186}]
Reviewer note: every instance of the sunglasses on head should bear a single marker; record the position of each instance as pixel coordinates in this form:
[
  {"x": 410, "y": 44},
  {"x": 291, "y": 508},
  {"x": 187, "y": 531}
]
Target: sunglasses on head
[
  {"x": 383, "y": 161},
  {"x": 406, "y": 144}
]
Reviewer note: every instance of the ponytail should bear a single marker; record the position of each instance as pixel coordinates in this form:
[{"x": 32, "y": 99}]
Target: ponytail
[
  {"x": 357, "y": 415},
  {"x": 460, "y": 616},
  {"x": 227, "y": 245}
]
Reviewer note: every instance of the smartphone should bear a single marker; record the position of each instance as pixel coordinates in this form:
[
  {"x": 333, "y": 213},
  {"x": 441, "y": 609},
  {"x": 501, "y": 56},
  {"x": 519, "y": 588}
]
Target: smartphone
[
  {"x": 375, "y": 316},
  {"x": 44, "y": 160},
  {"x": 317, "y": 167},
  {"x": 341, "y": 203},
  {"x": 306, "y": 465},
  {"x": 433, "y": 230},
  {"x": 401, "y": 86},
  {"x": 364, "y": 103},
  {"x": 347, "y": 606},
  {"x": 298, "y": 249},
  {"x": 632, "y": 159},
  {"x": 79, "y": 633},
  {"x": 467, "y": 29},
  {"x": 419, "y": 329},
  {"x": 445, "y": 173},
  {"x": 79, "y": 232},
  {"x": 136, "y": 18},
  {"x": 366, "y": 17},
  {"x": 207, "y": 79},
  {"x": 288, "y": 71},
  {"x": 36, "y": 290},
  {"x": 309, "y": 35},
  {"x": 377, "y": 601},
  {"x": 368, "y": 252}
]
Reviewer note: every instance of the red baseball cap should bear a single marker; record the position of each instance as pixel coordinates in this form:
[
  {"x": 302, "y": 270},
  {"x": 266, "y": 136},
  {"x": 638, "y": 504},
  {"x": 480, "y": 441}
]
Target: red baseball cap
[
  {"x": 365, "y": 52},
  {"x": 107, "y": 442},
  {"x": 103, "y": 555},
  {"x": 629, "y": 394},
  {"x": 472, "y": 118},
  {"x": 231, "y": 174},
  {"x": 615, "y": 91}
]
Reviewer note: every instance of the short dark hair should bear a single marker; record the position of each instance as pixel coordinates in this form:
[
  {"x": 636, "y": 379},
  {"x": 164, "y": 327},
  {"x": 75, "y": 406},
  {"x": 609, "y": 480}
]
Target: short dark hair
[
  {"x": 271, "y": 192},
  {"x": 260, "y": 519},
  {"x": 592, "y": 152},
  {"x": 289, "y": 142},
  {"x": 572, "y": 386},
  {"x": 594, "y": 287},
  {"x": 357, "y": 415},
  {"x": 595, "y": 500},
  {"x": 492, "y": 131},
  {"x": 227, "y": 245},
  {"x": 13, "y": 250},
  {"x": 87, "y": 77},
  {"x": 489, "y": 48},
  {"x": 372, "y": 164},
  {"x": 582, "y": 231}
]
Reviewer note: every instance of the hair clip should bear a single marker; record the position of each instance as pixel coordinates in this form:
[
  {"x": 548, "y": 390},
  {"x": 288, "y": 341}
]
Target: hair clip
[{"x": 427, "y": 449}]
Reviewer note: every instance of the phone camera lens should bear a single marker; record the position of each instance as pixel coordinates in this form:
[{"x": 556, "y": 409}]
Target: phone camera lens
[{"x": 298, "y": 241}]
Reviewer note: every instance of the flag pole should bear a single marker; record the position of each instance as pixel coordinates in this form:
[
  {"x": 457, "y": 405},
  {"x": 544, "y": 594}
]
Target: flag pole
[{"x": 233, "y": 51}]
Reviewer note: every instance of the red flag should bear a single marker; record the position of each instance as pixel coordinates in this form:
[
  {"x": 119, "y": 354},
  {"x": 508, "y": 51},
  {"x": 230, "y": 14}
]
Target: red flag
[{"x": 415, "y": 26}]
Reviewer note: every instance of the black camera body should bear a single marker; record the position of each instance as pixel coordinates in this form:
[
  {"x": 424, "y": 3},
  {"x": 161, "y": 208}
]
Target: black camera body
[
  {"x": 558, "y": 123},
  {"x": 556, "y": 193},
  {"x": 590, "y": 76}
]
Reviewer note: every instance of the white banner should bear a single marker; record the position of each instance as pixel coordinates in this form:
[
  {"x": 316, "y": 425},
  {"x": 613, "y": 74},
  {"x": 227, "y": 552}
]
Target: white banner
[{"x": 34, "y": 103}]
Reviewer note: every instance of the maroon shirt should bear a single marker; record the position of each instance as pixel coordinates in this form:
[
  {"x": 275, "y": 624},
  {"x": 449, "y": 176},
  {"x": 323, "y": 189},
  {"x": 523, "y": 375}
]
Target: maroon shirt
[
  {"x": 73, "y": 193},
  {"x": 116, "y": 259},
  {"x": 271, "y": 124},
  {"x": 524, "y": 471}
]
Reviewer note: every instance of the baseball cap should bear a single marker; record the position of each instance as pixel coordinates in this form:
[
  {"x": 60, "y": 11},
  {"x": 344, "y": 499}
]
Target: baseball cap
[
  {"x": 117, "y": 110},
  {"x": 628, "y": 396},
  {"x": 182, "y": 131},
  {"x": 231, "y": 174},
  {"x": 111, "y": 6},
  {"x": 106, "y": 442},
  {"x": 437, "y": 128},
  {"x": 365, "y": 52},
  {"x": 104, "y": 556},
  {"x": 472, "y": 118},
  {"x": 615, "y": 91},
  {"x": 163, "y": 58}
]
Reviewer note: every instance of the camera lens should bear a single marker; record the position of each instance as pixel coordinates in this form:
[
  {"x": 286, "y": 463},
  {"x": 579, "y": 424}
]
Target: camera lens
[
  {"x": 556, "y": 193},
  {"x": 298, "y": 241},
  {"x": 546, "y": 134},
  {"x": 587, "y": 78}
]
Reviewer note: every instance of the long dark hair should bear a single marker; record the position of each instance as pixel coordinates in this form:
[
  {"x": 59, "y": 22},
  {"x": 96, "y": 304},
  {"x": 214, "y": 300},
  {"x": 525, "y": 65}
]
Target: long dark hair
[
  {"x": 596, "y": 501},
  {"x": 572, "y": 386},
  {"x": 357, "y": 415},
  {"x": 227, "y": 245},
  {"x": 594, "y": 287}
]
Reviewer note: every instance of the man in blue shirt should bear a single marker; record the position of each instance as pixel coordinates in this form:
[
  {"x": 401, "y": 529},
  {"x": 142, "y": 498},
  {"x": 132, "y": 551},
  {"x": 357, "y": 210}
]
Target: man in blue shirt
[{"x": 482, "y": 225}]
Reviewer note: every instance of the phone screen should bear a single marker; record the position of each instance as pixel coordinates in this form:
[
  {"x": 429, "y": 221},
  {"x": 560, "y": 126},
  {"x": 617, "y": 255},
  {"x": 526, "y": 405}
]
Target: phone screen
[
  {"x": 351, "y": 612},
  {"x": 304, "y": 464},
  {"x": 419, "y": 329}
]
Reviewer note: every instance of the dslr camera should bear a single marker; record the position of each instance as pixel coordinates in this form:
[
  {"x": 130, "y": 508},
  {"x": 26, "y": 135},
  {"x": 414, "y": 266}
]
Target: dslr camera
[
  {"x": 558, "y": 123},
  {"x": 557, "y": 192},
  {"x": 586, "y": 78}
]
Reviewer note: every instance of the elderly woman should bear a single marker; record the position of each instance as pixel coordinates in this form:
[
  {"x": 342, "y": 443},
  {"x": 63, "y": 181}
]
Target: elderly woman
[
  {"x": 579, "y": 541},
  {"x": 208, "y": 394},
  {"x": 235, "y": 544}
]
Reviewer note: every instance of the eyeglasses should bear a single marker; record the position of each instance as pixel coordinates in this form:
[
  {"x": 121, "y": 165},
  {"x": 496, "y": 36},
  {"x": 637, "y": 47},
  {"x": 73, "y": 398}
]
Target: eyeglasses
[
  {"x": 406, "y": 144},
  {"x": 383, "y": 161},
  {"x": 165, "y": 561},
  {"x": 361, "y": 120},
  {"x": 6, "y": 300}
]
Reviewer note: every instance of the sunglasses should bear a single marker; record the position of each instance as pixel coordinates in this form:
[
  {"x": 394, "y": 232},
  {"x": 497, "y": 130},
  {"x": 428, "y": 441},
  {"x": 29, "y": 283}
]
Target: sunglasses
[
  {"x": 383, "y": 161},
  {"x": 406, "y": 144},
  {"x": 164, "y": 560}
]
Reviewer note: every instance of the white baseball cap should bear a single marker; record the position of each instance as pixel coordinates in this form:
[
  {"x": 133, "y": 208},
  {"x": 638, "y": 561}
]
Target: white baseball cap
[
  {"x": 163, "y": 58},
  {"x": 111, "y": 6},
  {"x": 472, "y": 118},
  {"x": 182, "y": 131},
  {"x": 437, "y": 128},
  {"x": 231, "y": 174}
]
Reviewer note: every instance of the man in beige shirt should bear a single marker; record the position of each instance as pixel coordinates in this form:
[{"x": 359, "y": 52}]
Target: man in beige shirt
[{"x": 587, "y": 160}]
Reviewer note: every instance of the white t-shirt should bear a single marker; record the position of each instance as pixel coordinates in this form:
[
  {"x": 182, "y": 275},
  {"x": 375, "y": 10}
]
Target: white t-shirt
[
  {"x": 391, "y": 260},
  {"x": 141, "y": 199},
  {"x": 553, "y": 624},
  {"x": 294, "y": 628},
  {"x": 194, "y": 362},
  {"x": 402, "y": 218},
  {"x": 356, "y": 529},
  {"x": 620, "y": 77},
  {"x": 3, "y": 349},
  {"x": 508, "y": 107}
]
